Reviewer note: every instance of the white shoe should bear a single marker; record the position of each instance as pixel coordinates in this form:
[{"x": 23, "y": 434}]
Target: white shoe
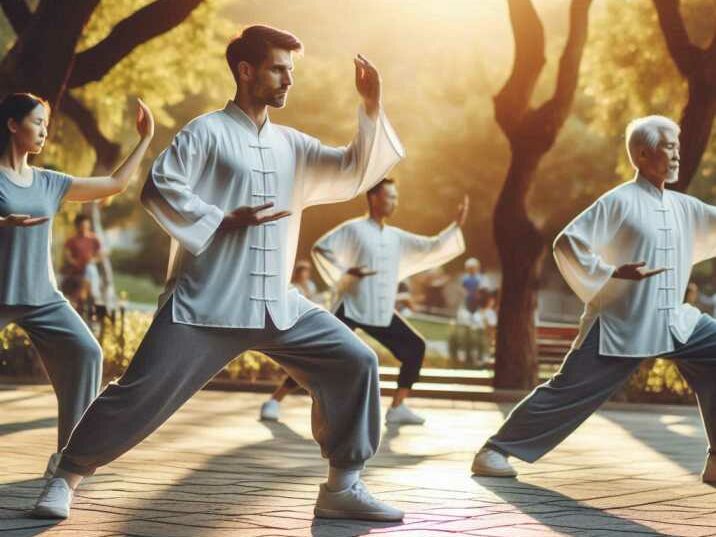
[
  {"x": 269, "y": 410},
  {"x": 492, "y": 463},
  {"x": 355, "y": 503},
  {"x": 402, "y": 415},
  {"x": 55, "y": 500},
  {"x": 709, "y": 473},
  {"x": 52, "y": 465}
]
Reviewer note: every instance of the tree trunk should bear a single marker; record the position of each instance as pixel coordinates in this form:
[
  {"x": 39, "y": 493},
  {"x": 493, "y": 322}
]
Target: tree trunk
[
  {"x": 696, "y": 123},
  {"x": 109, "y": 293},
  {"x": 531, "y": 132},
  {"x": 698, "y": 67},
  {"x": 520, "y": 245}
]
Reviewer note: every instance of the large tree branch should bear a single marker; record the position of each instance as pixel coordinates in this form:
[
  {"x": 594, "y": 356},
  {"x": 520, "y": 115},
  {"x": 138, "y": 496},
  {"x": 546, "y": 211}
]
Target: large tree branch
[
  {"x": 696, "y": 125},
  {"x": 40, "y": 59},
  {"x": 513, "y": 100},
  {"x": 554, "y": 112},
  {"x": 17, "y": 13},
  {"x": 143, "y": 25},
  {"x": 685, "y": 54},
  {"x": 106, "y": 150}
]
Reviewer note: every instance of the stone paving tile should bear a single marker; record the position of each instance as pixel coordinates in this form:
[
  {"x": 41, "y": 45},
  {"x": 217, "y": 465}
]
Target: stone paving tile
[{"x": 213, "y": 470}]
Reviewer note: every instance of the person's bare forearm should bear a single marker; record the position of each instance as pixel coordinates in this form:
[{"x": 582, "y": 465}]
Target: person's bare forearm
[{"x": 123, "y": 174}]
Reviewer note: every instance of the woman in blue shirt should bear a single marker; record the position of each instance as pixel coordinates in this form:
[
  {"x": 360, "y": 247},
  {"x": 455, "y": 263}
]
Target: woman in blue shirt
[{"x": 29, "y": 198}]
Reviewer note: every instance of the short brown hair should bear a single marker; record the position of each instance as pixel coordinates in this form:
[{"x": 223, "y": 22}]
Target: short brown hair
[
  {"x": 377, "y": 187},
  {"x": 252, "y": 46}
]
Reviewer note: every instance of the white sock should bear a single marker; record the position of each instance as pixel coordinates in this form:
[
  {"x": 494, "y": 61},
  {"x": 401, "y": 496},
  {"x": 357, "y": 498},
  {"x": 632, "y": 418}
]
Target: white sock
[
  {"x": 341, "y": 478},
  {"x": 72, "y": 479}
]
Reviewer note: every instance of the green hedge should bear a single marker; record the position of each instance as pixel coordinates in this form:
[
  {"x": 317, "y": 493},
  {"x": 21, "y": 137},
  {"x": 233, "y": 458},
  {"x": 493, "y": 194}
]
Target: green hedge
[{"x": 656, "y": 380}]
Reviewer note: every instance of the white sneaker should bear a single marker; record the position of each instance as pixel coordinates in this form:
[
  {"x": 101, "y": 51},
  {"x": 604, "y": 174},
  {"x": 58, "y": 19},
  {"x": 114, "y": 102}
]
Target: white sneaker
[
  {"x": 52, "y": 465},
  {"x": 269, "y": 410},
  {"x": 355, "y": 503},
  {"x": 492, "y": 463},
  {"x": 55, "y": 500},
  {"x": 402, "y": 415},
  {"x": 709, "y": 473}
]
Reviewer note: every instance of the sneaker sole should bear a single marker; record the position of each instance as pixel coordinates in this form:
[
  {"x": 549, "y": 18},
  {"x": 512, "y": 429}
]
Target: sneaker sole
[
  {"x": 376, "y": 516},
  {"x": 47, "y": 513},
  {"x": 401, "y": 422},
  {"x": 489, "y": 472}
]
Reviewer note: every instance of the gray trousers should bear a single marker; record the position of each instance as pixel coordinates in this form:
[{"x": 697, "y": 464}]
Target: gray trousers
[
  {"x": 70, "y": 353},
  {"x": 587, "y": 379},
  {"x": 175, "y": 360}
]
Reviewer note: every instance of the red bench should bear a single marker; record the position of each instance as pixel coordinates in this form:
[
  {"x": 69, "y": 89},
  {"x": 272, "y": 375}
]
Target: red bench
[{"x": 554, "y": 340}]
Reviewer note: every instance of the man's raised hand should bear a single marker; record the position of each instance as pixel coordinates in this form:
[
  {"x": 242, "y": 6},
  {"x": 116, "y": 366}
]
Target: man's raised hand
[
  {"x": 462, "y": 211},
  {"x": 635, "y": 271},
  {"x": 368, "y": 85},
  {"x": 249, "y": 216}
]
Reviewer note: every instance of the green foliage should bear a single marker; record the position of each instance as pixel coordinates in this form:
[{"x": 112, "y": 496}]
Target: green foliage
[
  {"x": 17, "y": 356},
  {"x": 658, "y": 381},
  {"x": 137, "y": 289},
  {"x": 638, "y": 76},
  {"x": 120, "y": 342},
  {"x": 188, "y": 60}
]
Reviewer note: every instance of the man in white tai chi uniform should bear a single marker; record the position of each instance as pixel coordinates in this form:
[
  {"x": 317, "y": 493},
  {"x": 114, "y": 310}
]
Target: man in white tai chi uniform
[
  {"x": 628, "y": 257},
  {"x": 363, "y": 259},
  {"x": 228, "y": 285}
]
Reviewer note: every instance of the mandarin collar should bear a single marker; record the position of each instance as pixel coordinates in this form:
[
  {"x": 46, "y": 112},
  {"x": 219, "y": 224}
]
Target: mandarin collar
[
  {"x": 649, "y": 187},
  {"x": 237, "y": 114}
]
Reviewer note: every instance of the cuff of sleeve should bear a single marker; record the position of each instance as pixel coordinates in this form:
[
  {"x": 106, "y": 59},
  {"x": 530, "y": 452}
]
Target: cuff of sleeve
[
  {"x": 206, "y": 230},
  {"x": 454, "y": 233},
  {"x": 603, "y": 274},
  {"x": 381, "y": 125}
]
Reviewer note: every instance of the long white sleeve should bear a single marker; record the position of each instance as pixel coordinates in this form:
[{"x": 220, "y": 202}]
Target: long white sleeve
[
  {"x": 577, "y": 251},
  {"x": 333, "y": 255},
  {"x": 169, "y": 196},
  {"x": 419, "y": 253},
  {"x": 704, "y": 231},
  {"x": 333, "y": 174}
]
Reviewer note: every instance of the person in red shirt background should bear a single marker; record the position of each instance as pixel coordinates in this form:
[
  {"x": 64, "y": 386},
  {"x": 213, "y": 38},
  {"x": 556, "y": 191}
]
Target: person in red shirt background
[{"x": 81, "y": 252}]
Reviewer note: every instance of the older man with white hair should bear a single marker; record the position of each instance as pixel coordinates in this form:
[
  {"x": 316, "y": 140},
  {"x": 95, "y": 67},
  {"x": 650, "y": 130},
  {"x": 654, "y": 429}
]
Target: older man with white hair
[{"x": 628, "y": 257}]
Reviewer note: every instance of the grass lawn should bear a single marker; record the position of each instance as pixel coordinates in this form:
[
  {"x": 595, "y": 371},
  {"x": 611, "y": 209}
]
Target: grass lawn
[
  {"x": 144, "y": 290},
  {"x": 430, "y": 330},
  {"x": 138, "y": 288}
]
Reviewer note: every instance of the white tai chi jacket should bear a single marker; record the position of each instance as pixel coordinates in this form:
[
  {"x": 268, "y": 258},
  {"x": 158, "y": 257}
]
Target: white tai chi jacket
[
  {"x": 394, "y": 253},
  {"x": 631, "y": 223},
  {"x": 221, "y": 161}
]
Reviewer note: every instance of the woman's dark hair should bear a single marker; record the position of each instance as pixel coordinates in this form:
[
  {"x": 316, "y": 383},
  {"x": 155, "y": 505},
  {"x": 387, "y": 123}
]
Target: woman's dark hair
[{"x": 16, "y": 106}]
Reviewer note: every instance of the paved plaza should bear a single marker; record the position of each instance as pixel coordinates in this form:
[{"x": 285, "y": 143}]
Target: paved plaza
[{"x": 215, "y": 471}]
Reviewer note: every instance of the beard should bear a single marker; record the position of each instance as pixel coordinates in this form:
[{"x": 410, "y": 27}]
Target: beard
[
  {"x": 672, "y": 177},
  {"x": 276, "y": 100}
]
